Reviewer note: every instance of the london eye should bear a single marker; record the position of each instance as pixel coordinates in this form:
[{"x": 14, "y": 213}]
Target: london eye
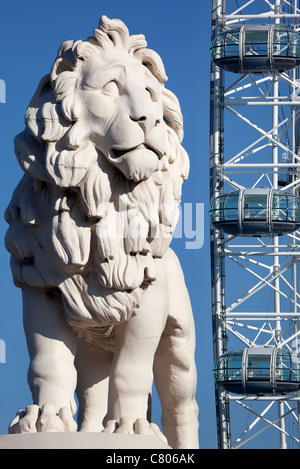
[{"x": 255, "y": 221}]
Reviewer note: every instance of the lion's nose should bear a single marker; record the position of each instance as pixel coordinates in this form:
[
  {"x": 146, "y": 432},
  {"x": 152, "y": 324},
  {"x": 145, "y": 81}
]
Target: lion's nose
[{"x": 146, "y": 122}]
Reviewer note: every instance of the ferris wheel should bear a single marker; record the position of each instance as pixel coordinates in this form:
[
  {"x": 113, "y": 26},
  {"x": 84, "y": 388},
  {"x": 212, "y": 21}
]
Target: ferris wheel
[{"x": 255, "y": 221}]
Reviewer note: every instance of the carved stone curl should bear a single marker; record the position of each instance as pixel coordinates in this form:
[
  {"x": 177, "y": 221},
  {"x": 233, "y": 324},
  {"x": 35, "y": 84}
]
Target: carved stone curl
[{"x": 90, "y": 223}]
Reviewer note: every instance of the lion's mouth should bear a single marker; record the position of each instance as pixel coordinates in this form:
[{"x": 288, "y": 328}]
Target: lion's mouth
[
  {"x": 120, "y": 152},
  {"x": 137, "y": 163}
]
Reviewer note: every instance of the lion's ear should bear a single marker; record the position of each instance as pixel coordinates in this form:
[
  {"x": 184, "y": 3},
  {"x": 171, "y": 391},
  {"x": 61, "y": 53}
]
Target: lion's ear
[
  {"x": 153, "y": 62},
  {"x": 63, "y": 80},
  {"x": 59, "y": 66}
]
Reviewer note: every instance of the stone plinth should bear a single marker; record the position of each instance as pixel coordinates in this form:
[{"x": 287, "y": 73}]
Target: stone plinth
[{"x": 80, "y": 440}]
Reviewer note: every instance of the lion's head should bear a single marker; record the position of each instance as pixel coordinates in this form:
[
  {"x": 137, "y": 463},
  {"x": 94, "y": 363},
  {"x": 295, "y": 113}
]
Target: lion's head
[{"x": 103, "y": 170}]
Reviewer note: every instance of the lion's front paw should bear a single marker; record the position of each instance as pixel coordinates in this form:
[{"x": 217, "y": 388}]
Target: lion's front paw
[
  {"x": 134, "y": 427},
  {"x": 25, "y": 420},
  {"x": 44, "y": 419}
]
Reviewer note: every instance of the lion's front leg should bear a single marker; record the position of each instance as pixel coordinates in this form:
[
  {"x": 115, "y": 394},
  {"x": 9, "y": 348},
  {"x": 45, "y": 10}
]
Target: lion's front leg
[
  {"x": 131, "y": 374},
  {"x": 51, "y": 375}
]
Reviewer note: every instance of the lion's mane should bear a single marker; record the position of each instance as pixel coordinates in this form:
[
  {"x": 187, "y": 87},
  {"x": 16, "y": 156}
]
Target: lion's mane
[{"x": 77, "y": 226}]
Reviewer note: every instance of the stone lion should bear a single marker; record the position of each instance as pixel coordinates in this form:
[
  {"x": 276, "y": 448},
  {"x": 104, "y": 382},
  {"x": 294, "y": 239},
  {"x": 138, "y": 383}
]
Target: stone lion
[{"x": 106, "y": 308}]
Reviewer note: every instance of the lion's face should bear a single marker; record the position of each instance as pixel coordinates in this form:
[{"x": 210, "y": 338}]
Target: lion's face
[{"x": 121, "y": 106}]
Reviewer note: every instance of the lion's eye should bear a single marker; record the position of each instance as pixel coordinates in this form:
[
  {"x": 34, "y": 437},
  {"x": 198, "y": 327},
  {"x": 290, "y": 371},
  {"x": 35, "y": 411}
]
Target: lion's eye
[
  {"x": 111, "y": 89},
  {"x": 152, "y": 93}
]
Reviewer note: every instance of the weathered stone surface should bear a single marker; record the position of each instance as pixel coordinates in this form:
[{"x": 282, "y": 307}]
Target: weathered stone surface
[{"x": 80, "y": 441}]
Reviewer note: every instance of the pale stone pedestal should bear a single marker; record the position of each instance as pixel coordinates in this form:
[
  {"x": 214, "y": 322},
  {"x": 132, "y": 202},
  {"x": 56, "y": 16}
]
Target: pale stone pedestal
[{"x": 80, "y": 441}]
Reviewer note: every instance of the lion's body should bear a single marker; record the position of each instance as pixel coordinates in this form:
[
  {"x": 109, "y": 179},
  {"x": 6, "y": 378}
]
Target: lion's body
[{"x": 90, "y": 227}]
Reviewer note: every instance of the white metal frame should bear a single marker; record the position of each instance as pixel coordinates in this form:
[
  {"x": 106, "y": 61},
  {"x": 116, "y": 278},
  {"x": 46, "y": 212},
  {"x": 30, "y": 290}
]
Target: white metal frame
[{"x": 266, "y": 108}]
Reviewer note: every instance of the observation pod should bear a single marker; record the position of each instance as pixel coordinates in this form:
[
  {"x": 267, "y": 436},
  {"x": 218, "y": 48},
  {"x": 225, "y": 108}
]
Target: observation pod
[
  {"x": 257, "y": 49},
  {"x": 257, "y": 212},
  {"x": 265, "y": 370}
]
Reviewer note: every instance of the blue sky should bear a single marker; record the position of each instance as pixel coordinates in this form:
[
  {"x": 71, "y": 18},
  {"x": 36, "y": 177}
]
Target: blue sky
[{"x": 31, "y": 33}]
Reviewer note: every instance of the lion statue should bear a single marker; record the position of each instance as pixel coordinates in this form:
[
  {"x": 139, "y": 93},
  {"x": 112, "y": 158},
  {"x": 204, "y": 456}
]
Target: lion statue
[{"x": 106, "y": 309}]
